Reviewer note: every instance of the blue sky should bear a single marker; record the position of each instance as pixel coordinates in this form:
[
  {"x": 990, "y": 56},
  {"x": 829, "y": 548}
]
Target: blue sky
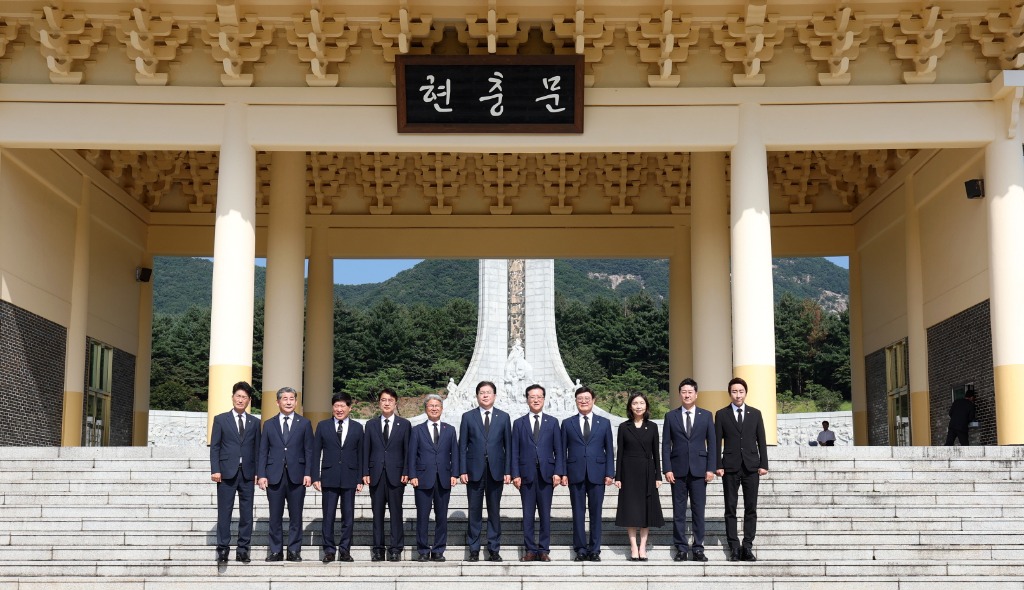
[{"x": 357, "y": 272}]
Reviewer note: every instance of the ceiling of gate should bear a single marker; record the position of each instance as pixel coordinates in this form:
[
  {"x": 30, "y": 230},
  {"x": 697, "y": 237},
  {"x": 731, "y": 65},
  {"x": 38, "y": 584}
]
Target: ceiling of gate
[
  {"x": 697, "y": 43},
  {"x": 625, "y": 183}
]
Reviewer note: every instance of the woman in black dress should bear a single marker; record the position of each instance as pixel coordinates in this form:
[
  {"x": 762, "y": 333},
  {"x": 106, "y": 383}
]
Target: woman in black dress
[{"x": 638, "y": 476}]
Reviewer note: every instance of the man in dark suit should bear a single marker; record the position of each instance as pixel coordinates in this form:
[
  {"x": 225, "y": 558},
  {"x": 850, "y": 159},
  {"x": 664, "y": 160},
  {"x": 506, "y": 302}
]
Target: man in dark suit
[
  {"x": 689, "y": 459},
  {"x": 740, "y": 438},
  {"x": 234, "y": 446},
  {"x": 589, "y": 467},
  {"x": 385, "y": 450},
  {"x": 537, "y": 461},
  {"x": 433, "y": 470},
  {"x": 339, "y": 474},
  {"x": 961, "y": 413},
  {"x": 285, "y": 471},
  {"x": 485, "y": 441}
]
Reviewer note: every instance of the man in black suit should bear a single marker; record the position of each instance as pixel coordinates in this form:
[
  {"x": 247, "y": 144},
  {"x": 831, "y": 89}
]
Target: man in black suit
[
  {"x": 339, "y": 475},
  {"x": 689, "y": 459},
  {"x": 961, "y": 413},
  {"x": 740, "y": 438},
  {"x": 234, "y": 446},
  {"x": 433, "y": 470},
  {"x": 285, "y": 471},
  {"x": 485, "y": 441},
  {"x": 537, "y": 462},
  {"x": 385, "y": 449}
]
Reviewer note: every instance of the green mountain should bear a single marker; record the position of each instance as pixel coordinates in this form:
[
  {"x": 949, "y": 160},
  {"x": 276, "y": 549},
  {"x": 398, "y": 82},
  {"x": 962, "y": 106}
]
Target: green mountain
[{"x": 179, "y": 283}]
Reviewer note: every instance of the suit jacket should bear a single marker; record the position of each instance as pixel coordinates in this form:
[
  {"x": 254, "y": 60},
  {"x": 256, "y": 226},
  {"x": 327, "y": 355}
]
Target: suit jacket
[
  {"x": 429, "y": 462},
  {"x": 229, "y": 452},
  {"x": 961, "y": 413},
  {"x": 546, "y": 453},
  {"x": 694, "y": 454},
  {"x": 382, "y": 459},
  {"x": 276, "y": 452},
  {"x": 591, "y": 460},
  {"x": 495, "y": 446},
  {"x": 743, "y": 447},
  {"x": 340, "y": 466}
]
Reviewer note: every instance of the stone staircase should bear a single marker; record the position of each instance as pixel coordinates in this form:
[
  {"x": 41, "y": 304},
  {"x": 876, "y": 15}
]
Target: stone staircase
[{"x": 859, "y": 517}]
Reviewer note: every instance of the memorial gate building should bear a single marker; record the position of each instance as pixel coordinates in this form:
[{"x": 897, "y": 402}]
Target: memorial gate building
[{"x": 716, "y": 134}]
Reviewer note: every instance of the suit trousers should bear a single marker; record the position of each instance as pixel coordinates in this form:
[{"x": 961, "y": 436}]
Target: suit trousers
[
  {"x": 436, "y": 498},
  {"x": 584, "y": 495},
  {"x": 731, "y": 484},
  {"x": 695, "y": 489},
  {"x": 954, "y": 435},
  {"x": 537, "y": 498},
  {"x": 277, "y": 495},
  {"x": 475, "y": 493},
  {"x": 383, "y": 496},
  {"x": 331, "y": 498},
  {"x": 226, "y": 490}
]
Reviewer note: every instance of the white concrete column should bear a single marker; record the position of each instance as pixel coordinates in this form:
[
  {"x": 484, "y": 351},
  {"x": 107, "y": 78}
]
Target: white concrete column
[
  {"x": 319, "y": 374},
  {"x": 286, "y": 258},
  {"x": 680, "y": 314},
  {"x": 143, "y": 359},
  {"x": 1004, "y": 190},
  {"x": 709, "y": 253},
  {"x": 234, "y": 257},
  {"x": 858, "y": 383},
  {"x": 917, "y": 334},
  {"x": 753, "y": 307},
  {"x": 74, "y": 355}
]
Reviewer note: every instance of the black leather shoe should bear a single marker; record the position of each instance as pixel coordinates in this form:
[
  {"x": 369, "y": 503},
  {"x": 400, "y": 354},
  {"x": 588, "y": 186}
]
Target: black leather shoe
[
  {"x": 376, "y": 555},
  {"x": 494, "y": 556},
  {"x": 276, "y": 556},
  {"x": 528, "y": 556},
  {"x": 345, "y": 556},
  {"x": 474, "y": 556},
  {"x": 735, "y": 555},
  {"x": 242, "y": 556},
  {"x": 328, "y": 558},
  {"x": 699, "y": 556},
  {"x": 581, "y": 556},
  {"x": 439, "y": 557},
  {"x": 395, "y": 556},
  {"x": 747, "y": 555},
  {"x": 681, "y": 556},
  {"x": 222, "y": 556},
  {"x": 423, "y": 557},
  {"x": 594, "y": 557},
  {"x": 294, "y": 557}
]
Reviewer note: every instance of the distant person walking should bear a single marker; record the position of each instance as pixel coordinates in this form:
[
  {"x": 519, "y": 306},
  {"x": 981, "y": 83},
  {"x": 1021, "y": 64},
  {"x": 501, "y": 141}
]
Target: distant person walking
[{"x": 961, "y": 413}]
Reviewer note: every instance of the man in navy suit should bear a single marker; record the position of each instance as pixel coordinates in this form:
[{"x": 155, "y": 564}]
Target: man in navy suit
[
  {"x": 385, "y": 450},
  {"x": 688, "y": 458},
  {"x": 740, "y": 437},
  {"x": 589, "y": 467},
  {"x": 537, "y": 461},
  {"x": 433, "y": 470},
  {"x": 485, "y": 440},
  {"x": 285, "y": 471},
  {"x": 234, "y": 446},
  {"x": 339, "y": 475}
]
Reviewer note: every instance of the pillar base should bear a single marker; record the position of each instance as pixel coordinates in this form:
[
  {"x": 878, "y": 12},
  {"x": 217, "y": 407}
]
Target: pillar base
[
  {"x": 1009, "y": 379},
  {"x": 920, "y": 419},
  {"x": 712, "y": 401},
  {"x": 761, "y": 394},
  {"x": 140, "y": 428},
  {"x": 316, "y": 417},
  {"x": 71, "y": 428}
]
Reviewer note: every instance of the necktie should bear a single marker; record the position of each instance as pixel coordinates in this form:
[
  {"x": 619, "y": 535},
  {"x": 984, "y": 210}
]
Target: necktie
[
  {"x": 487, "y": 422},
  {"x": 689, "y": 424},
  {"x": 536, "y": 428},
  {"x": 437, "y": 434},
  {"x": 341, "y": 440},
  {"x": 241, "y": 427},
  {"x": 387, "y": 429},
  {"x": 286, "y": 429},
  {"x": 739, "y": 416},
  {"x": 586, "y": 429}
]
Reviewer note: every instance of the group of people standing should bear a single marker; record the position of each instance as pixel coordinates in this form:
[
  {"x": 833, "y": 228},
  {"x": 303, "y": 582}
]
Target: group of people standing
[{"x": 535, "y": 453}]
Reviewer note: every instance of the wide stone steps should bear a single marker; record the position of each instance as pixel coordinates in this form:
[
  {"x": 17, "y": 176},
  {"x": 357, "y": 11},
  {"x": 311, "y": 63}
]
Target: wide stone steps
[{"x": 864, "y": 518}]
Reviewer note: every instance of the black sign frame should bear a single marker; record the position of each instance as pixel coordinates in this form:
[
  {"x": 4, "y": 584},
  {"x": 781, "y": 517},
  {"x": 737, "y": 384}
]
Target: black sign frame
[{"x": 412, "y": 117}]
